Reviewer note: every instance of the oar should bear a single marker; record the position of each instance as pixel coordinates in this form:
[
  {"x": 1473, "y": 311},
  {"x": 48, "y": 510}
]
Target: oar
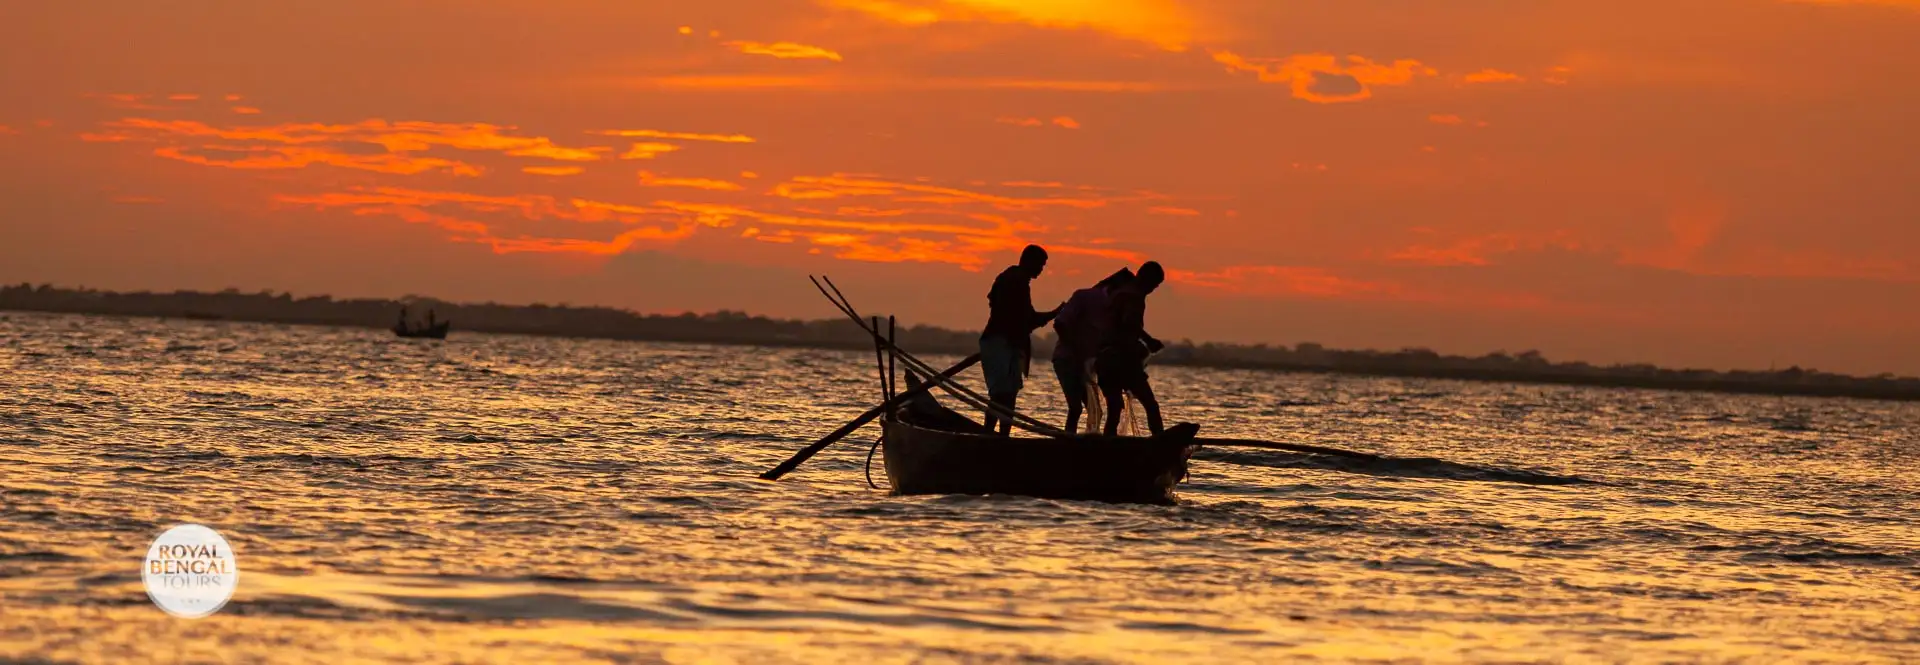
[
  {"x": 776, "y": 472},
  {"x": 1293, "y": 447}
]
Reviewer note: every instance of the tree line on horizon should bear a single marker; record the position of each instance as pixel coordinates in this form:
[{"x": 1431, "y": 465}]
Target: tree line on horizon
[{"x": 733, "y": 327}]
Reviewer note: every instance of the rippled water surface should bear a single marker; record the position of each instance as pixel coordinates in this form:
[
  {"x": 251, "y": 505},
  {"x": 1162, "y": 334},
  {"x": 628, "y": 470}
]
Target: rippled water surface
[{"x": 522, "y": 499}]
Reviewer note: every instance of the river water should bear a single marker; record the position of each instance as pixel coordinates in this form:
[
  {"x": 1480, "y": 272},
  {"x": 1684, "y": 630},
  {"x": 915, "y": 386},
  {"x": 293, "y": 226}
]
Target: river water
[{"x": 497, "y": 498}]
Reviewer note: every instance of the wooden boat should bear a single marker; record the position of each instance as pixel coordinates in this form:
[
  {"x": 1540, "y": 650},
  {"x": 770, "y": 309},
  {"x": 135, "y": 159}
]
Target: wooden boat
[
  {"x": 929, "y": 449},
  {"x": 435, "y": 331}
]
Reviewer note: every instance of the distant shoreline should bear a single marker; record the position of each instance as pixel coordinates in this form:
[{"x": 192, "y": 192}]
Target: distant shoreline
[{"x": 734, "y": 328}]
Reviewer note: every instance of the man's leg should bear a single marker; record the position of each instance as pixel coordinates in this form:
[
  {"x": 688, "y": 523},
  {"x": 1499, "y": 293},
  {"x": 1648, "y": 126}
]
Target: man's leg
[
  {"x": 1143, "y": 391},
  {"x": 1006, "y": 423},
  {"x": 993, "y": 364},
  {"x": 1116, "y": 396},
  {"x": 1073, "y": 386}
]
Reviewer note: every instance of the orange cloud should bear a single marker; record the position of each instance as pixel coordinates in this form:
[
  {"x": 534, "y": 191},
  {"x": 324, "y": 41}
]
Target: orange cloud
[
  {"x": 184, "y": 97},
  {"x": 842, "y": 186},
  {"x": 1164, "y": 23},
  {"x": 298, "y": 157},
  {"x": 853, "y": 83},
  {"x": 8, "y": 131},
  {"x": 1286, "y": 281},
  {"x": 416, "y": 206},
  {"x": 127, "y": 101},
  {"x": 1493, "y": 76},
  {"x": 648, "y": 150},
  {"x": 398, "y": 138},
  {"x": 554, "y": 170},
  {"x": 676, "y": 136},
  {"x": 246, "y": 110},
  {"x": 1480, "y": 250},
  {"x": 1909, "y": 4},
  {"x": 651, "y": 180},
  {"x": 1325, "y": 79},
  {"x": 1173, "y": 211},
  {"x": 785, "y": 50},
  {"x": 1446, "y": 119},
  {"x": 1059, "y": 121}
]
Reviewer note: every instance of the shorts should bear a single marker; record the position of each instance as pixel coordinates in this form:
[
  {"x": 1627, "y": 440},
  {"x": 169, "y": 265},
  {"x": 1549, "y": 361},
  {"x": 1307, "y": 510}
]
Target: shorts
[
  {"x": 1073, "y": 378},
  {"x": 1005, "y": 366}
]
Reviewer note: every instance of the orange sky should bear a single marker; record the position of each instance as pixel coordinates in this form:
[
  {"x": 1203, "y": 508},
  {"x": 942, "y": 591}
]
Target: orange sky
[{"x": 1713, "y": 183}]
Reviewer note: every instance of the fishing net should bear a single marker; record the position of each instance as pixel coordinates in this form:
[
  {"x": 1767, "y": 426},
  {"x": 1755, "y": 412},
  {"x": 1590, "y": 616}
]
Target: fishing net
[{"x": 1132, "y": 422}]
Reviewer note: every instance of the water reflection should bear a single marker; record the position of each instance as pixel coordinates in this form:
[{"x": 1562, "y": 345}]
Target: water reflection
[{"x": 502, "y": 498}]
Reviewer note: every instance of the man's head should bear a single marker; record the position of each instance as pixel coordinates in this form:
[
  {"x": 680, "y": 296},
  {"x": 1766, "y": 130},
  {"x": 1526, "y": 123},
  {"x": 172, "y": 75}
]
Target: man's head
[
  {"x": 1150, "y": 276},
  {"x": 1033, "y": 260}
]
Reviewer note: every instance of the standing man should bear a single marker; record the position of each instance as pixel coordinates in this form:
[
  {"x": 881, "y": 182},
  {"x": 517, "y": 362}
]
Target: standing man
[
  {"x": 1006, "y": 346},
  {"x": 1078, "y": 330},
  {"x": 1122, "y": 361}
]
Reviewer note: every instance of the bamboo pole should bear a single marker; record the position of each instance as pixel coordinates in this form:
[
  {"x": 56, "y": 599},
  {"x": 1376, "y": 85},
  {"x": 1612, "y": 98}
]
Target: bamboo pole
[{"x": 958, "y": 391}]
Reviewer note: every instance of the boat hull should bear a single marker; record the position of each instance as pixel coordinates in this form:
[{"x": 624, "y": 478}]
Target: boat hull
[
  {"x": 1112, "y": 469},
  {"x": 436, "y": 331}
]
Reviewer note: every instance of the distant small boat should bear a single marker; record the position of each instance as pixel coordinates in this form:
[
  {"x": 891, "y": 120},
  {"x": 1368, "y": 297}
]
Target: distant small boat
[
  {"x": 435, "y": 331},
  {"x": 929, "y": 449}
]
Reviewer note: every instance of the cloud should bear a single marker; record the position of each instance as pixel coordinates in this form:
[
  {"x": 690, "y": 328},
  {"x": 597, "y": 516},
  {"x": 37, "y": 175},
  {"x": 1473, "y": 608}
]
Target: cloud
[
  {"x": 1063, "y": 122},
  {"x": 648, "y": 150},
  {"x": 676, "y": 136},
  {"x": 1906, "y": 4},
  {"x": 1493, "y": 76},
  {"x": 1167, "y": 24},
  {"x": 1287, "y": 281},
  {"x": 1173, "y": 211},
  {"x": 554, "y": 170},
  {"x": 856, "y": 83},
  {"x": 845, "y": 186},
  {"x": 8, "y": 131},
  {"x": 1446, "y": 119},
  {"x": 421, "y": 207},
  {"x": 296, "y": 145},
  {"x": 299, "y": 157},
  {"x": 1326, "y": 79},
  {"x": 785, "y": 50},
  {"x": 1481, "y": 250},
  {"x": 650, "y": 180}
]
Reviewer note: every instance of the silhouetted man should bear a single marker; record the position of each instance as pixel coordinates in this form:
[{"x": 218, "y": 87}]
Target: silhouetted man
[
  {"x": 1121, "y": 364},
  {"x": 1006, "y": 346},
  {"x": 1079, "y": 329}
]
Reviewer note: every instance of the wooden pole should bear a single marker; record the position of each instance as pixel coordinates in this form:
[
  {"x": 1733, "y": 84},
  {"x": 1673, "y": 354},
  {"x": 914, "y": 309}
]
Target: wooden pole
[
  {"x": 892, "y": 353},
  {"x": 808, "y": 452},
  {"x": 880, "y": 363},
  {"x": 959, "y": 392}
]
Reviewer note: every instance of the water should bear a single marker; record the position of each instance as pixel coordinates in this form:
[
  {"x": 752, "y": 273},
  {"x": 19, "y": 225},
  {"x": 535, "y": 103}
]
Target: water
[{"x": 502, "y": 499}]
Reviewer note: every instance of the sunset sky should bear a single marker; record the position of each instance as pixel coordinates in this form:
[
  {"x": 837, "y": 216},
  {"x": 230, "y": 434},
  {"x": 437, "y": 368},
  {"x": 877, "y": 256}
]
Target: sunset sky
[{"x": 1713, "y": 183}]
